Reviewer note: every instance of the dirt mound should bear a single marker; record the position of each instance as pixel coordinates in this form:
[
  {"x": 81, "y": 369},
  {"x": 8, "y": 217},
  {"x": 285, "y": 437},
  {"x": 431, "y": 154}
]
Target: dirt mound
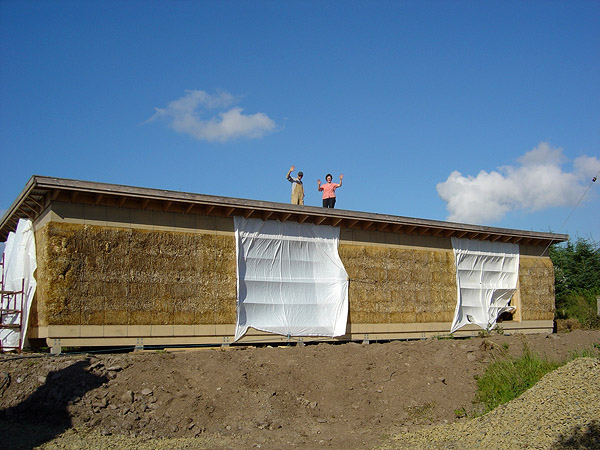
[{"x": 327, "y": 395}]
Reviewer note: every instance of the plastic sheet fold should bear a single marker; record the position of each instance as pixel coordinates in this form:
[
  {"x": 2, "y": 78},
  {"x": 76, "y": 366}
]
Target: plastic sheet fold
[
  {"x": 290, "y": 279},
  {"x": 486, "y": 278},
  {"x": 19, "y": 267}
]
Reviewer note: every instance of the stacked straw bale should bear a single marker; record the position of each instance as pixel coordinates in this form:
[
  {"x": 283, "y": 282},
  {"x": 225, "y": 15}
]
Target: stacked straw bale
[
  {"x": 103, "y": 275},
  {"x": 399, "y": 285},
  {"x": 536, "y": 286},
  {"x": 92, "y": 275}
]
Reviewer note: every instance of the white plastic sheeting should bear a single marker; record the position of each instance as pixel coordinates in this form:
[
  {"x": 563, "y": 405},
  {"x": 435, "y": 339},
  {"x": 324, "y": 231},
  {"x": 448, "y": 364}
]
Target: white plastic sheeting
[
  {"x": 19, "y": 266},
  {"x": 486, "y": 278},
  {"x": 290, "y": 279}
]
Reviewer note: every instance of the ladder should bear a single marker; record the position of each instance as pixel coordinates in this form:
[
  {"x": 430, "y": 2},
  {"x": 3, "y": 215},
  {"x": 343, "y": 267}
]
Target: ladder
[{"x": 11, "y": 311}]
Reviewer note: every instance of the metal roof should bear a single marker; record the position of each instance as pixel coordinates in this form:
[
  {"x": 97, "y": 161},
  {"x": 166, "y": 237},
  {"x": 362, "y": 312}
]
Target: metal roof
[{"x": 41, "y": 191}]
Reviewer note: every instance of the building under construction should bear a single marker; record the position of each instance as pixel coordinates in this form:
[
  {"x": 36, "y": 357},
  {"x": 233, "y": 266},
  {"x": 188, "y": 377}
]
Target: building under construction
[{"x": 129, "y": 266}]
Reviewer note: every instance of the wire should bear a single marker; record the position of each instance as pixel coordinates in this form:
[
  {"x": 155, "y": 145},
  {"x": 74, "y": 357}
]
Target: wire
[
  {"x": 582, "y": 196},
  {"x": 574, "y": 208}
]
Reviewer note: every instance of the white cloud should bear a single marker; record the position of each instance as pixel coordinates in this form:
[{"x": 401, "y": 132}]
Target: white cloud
[
  {"x": 192, "y": 114},
  {"x": 538, "y": 183}
]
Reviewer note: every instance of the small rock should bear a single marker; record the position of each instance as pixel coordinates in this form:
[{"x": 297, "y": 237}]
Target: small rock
[
  {"x": 96, "y": 364},
  {"x": 102, "y": 403},
  {"x": 100, "y": 394},
  {"x": 127, "y": 397}
]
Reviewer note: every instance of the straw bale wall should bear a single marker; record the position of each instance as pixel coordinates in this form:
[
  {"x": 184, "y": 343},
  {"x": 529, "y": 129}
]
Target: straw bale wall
[
  {"x": 97, "y": 275},
  {"x": 536, "y": 287},
  {"x": 399, "y": 285},
  {"x": 94, "y": 274}
]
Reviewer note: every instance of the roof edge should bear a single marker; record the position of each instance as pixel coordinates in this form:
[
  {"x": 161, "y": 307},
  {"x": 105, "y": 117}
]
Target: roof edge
[{"x": 52, "y": 184}]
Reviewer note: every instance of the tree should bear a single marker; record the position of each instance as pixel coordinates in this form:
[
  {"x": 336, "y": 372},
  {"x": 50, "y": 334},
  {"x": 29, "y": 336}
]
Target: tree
[{"x": 577, "y": 280}]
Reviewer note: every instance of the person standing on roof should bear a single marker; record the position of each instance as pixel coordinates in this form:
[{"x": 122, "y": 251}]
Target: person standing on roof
[
  {"x": 329, "y": 190},
  {"x": 297, "y": 187}
]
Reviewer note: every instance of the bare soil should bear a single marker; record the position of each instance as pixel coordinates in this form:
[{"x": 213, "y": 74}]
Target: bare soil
[{"x": 339, "y": 396}]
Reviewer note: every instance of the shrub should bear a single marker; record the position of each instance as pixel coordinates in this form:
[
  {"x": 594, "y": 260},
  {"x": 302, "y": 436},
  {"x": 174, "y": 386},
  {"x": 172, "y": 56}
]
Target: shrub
[
  {"x": 577, "y": 281},
  {"x": 507, "y": 378}
]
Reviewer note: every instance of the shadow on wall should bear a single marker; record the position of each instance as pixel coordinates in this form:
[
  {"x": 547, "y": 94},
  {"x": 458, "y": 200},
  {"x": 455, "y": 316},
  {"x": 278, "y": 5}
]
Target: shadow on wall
[
  {"x": 44, "y": 414},
  {"x": 581, "y": 437}
]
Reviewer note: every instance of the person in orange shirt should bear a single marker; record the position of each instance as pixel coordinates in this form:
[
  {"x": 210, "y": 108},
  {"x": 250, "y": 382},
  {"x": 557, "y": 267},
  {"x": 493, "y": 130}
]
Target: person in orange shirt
[{"x": 328, "y": 190}]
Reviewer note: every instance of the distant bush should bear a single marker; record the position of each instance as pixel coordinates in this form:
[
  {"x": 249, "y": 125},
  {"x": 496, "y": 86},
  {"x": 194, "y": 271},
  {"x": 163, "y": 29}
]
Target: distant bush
[{"x": 577, "y": 281}]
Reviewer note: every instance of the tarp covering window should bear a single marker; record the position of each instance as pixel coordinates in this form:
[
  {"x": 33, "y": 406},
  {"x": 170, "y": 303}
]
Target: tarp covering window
[
  {"x": 486, "y": 278},
  {"x": 290, "y": 279},
  {"x": 19, "y": 266}
]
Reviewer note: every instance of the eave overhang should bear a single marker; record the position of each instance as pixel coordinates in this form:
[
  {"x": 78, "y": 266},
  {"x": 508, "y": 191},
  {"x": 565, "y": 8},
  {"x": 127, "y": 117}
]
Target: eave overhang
[{"x": 41, "y": 191}]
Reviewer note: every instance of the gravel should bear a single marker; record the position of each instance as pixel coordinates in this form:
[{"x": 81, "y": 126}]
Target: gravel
[{"x": 562, "y": 411}]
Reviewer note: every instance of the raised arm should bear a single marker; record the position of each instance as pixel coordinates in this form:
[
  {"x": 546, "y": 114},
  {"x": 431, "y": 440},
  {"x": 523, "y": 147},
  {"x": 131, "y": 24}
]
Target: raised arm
[
  {"x": 289, "y": 172},
  {"x": 341, "y": 178}
]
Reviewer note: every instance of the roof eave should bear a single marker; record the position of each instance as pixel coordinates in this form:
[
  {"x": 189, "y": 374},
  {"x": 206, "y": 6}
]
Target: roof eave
[{"x": 40, "y": 191}]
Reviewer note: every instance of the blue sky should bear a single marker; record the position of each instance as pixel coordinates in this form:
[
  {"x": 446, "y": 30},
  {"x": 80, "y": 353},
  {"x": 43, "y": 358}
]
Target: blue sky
[{"x": 476, "y": 112}]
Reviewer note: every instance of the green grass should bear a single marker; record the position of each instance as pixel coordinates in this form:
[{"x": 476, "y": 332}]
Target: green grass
[{"x": 507, "y": 378}]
